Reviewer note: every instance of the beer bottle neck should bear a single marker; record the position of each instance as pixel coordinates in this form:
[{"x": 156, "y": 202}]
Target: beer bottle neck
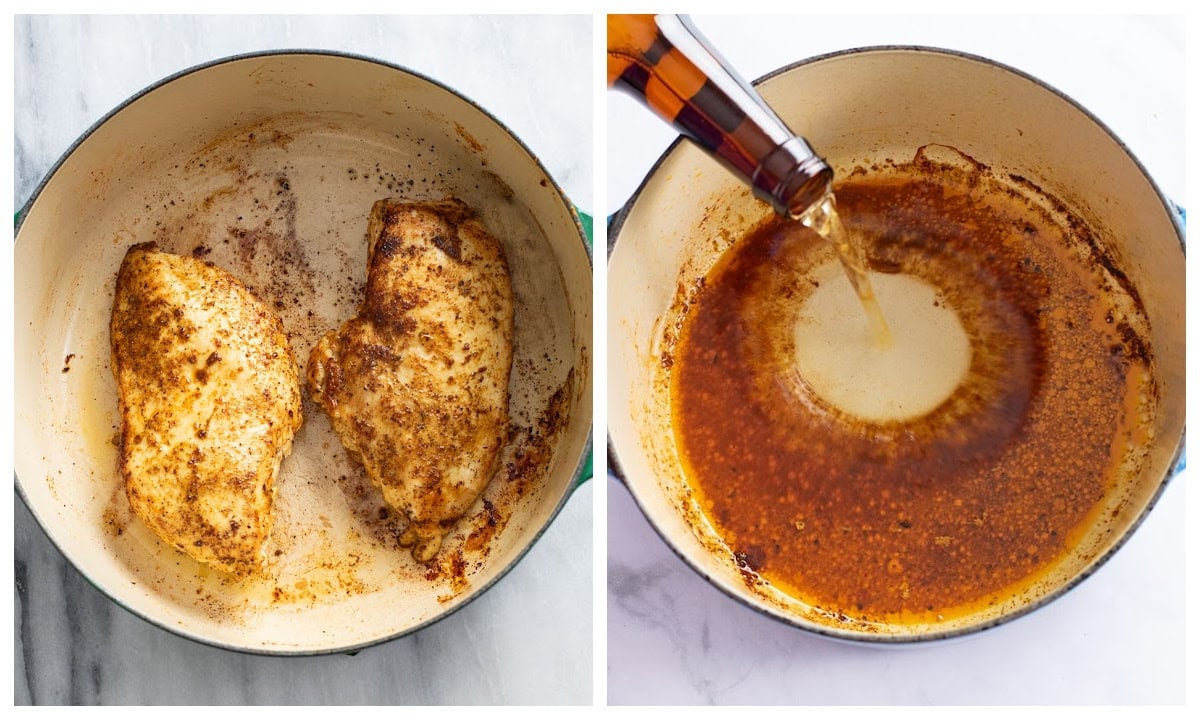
[{"x": 665, "y": 62}]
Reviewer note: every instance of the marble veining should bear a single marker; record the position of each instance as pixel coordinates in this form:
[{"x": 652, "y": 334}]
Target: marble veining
[
  {"x": 533, "y": 73},
  {"x": 674, "y": 639},
  {"x": 528, "y": 640},
  {"x": 74, "y": 646}
]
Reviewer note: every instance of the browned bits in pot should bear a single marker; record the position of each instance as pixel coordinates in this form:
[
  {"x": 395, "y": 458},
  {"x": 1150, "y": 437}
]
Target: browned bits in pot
[{"x": 912, "y": 521}]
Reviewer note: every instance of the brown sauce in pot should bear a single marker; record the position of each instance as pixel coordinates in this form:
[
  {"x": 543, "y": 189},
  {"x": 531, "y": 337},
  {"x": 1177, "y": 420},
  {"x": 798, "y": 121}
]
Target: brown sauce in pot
[{"x": 917, "y": 519}]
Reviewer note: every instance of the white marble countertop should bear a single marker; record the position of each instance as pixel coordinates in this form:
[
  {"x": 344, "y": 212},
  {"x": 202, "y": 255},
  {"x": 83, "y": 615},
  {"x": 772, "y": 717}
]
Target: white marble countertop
[
  {"x": 1118, "y": 637},
  {"x": 528, "y": 640}
]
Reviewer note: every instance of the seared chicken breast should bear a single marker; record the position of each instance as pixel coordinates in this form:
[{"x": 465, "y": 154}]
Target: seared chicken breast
[
  {"x": 209, "y": 400},
  {"x": 416, "y": 385}
]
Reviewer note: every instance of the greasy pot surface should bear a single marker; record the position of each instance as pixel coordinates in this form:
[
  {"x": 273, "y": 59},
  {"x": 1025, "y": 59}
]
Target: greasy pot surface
[
  {"x": 859, "y": 107},
  {"x": 267, "y": 166}
]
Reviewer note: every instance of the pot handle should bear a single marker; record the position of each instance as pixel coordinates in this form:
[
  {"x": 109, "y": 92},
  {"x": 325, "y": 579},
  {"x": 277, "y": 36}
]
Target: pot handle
[
  {"x": 585, "y": 221},
  {"x": 584, "y": 472}
]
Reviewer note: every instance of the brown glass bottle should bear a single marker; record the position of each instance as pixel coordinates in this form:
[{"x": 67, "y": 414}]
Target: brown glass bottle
[{"x": 665, "y": 62}]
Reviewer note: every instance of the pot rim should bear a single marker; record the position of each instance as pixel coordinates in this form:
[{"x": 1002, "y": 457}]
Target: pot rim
[
  {"x": 618, "y": 219},
  {"x": 585, "y": 451},
  {"x": 1172, "y": 210}
]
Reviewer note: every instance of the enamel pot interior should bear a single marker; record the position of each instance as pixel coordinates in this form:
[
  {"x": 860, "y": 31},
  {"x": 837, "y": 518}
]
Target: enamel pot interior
[
  {"x": 856, "y": 108},
  {"x": 268, "y": 165}
]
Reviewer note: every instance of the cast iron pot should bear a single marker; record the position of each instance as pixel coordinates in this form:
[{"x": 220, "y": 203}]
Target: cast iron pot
[
  {"x": 268, "y": 165},
  {"x": 857, "y": 107}
]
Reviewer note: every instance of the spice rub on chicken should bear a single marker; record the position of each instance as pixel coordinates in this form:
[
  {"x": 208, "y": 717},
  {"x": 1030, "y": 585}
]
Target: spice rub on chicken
[
  {"x": 209, "y": 397},
  {"x": 416, "y": 385}
]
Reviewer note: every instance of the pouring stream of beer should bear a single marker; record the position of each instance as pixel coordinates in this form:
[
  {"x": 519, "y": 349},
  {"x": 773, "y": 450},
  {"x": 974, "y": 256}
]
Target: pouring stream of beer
[{"x": 822, "y": 218}]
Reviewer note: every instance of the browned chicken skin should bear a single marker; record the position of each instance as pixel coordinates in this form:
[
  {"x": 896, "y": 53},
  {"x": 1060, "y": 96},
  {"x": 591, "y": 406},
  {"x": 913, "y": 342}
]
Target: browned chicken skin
[
  {"x": 209, "y": 401},
  {"x": 416, "y": 385}
]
